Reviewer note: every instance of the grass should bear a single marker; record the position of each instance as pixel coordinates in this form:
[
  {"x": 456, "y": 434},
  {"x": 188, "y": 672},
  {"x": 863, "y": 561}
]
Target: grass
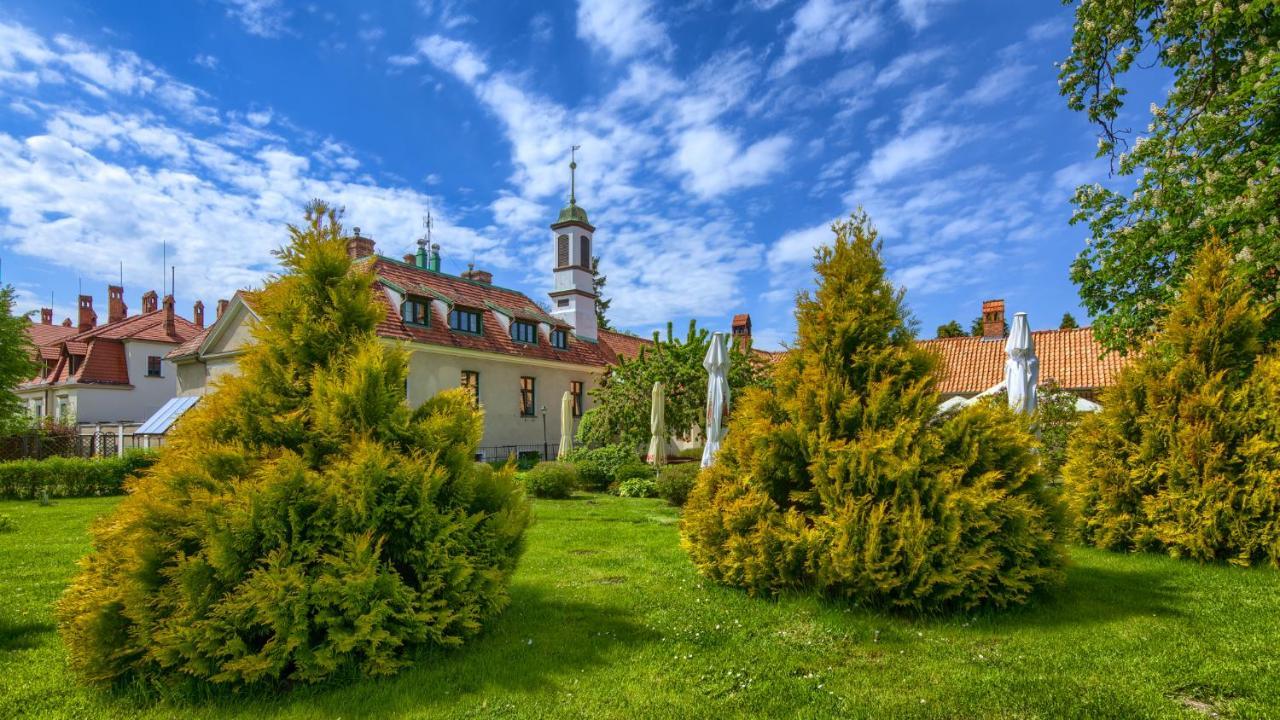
[{"x": 608, "y": 619}]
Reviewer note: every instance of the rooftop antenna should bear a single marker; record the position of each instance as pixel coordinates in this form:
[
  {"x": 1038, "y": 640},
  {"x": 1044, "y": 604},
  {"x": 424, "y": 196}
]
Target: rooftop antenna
[
  {"x": 164, "y": 260},
  {"x": 573, "y": 167},
  {"x": 427, "y": 224},
  {"x": 173, "y": 272},
  {"x": 122, "y": 275}
]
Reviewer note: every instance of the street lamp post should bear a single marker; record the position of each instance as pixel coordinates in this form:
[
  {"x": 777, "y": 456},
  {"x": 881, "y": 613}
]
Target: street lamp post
[{"x": 545, "y": 446}]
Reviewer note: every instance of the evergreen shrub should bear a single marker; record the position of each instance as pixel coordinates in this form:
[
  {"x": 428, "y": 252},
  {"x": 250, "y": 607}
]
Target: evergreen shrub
[
  {"x": 1185, "y": 456},
  {"x": 675, "y": 482},
  {"x": 598, "y": 467},
  {"x": 554, "y": 480},
  {"x": 7, "y": 524},
  {"x": 843, "y": 481},
  {"x": 63, "y": 477},
  {"x": 302, "y": 522}
]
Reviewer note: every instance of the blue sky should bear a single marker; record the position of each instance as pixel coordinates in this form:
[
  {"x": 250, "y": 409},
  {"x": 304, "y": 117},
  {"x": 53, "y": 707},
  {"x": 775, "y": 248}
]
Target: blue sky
[{"x": 718, "y": 142}]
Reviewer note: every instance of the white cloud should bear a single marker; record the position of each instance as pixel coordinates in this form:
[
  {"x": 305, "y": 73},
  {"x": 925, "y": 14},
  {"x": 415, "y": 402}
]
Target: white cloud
[
  {"x": 713, "y": 161},
  {"x": 798, "y": 246},
  {"x": 998, "y": 84},
  {"x": 621, "y": 28},
  {"x": 908, "y": 65},
  {"x": 824, "y": 27},
  {"x": 1068, "y": 178},
  {"x": 916, "y": 13},
  {"x": 204, "y": 60},
  {"x": 454, "y": 56},
  {"x": 910, "y": 152},
  {"x": 264, "y": 18}
]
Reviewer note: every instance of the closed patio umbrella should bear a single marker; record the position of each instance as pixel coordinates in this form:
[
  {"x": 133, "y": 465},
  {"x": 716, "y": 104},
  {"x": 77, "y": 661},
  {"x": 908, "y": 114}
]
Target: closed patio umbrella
[
  {"x": 1022, "y": 369},
  {"x": 717, "y": 365},
  {"x": 657, "y": 454},
  {"x": 566, "y": 425}
]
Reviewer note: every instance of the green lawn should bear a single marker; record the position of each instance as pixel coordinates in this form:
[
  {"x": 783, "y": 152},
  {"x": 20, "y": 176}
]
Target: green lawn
[{"x": 608, "y": 619}]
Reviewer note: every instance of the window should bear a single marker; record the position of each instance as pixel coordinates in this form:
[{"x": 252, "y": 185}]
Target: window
[
  {"x": 562, "y": 251},
  {"x": 465, "y": 320},
  {"x": 75, "y": 365},
  {"x": 471, "y": 381},
  {"x": 525, "y": 332},
  {"x": 584, "y": 254},
  {"x": 37, "y": 409},
  {"x": 64, "y": 409},
  {"x": 416, "y": 312},
  {"x": 562, "y": 302},
  {"x": 575, "y": 389},
  {"x": 528, "y": 400},
  {"x": 153, "y": 366},
  {"x": 560, "y": 339}
]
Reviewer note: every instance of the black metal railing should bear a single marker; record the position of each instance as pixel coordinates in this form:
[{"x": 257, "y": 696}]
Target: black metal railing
[
  {"x": 525, "y": 455},
  {"x": 37, "y": 446}
]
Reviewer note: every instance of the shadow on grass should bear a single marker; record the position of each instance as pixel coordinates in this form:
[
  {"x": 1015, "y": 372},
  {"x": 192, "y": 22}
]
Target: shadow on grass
[
  {"x": 538, "y": 645},
  {"x": 22, "y": 636}
]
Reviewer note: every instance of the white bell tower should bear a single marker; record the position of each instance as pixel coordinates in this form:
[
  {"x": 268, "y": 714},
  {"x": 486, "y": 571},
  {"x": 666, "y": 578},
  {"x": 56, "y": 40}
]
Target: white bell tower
[{"x": 574, "y": 300}]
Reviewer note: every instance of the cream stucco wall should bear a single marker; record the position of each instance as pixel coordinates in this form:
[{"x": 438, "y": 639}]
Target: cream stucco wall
[
  {"x": 432, "y": 369},
  {"x": 89, "y": 403}
]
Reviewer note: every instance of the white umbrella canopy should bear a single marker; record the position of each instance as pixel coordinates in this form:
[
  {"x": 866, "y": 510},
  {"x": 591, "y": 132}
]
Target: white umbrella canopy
[
  {"x": 566, "y": 425},
  {"x": 657, "y": 454},
  {"x": 717, "y": 365},
  {"x": 1022, "y": 369}
]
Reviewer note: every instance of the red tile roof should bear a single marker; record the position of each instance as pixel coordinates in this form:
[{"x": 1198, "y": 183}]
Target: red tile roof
[
  {"x": 190, "y": 346},
  {"x": 99, "y": 353},
  {"x": 1071, "y": 358},
  {"x": 479, "y": 296},
  {"x": 44, "y": 335},
  {"x": 622, "y": 345},
  {"x": 147, "y": 326}
]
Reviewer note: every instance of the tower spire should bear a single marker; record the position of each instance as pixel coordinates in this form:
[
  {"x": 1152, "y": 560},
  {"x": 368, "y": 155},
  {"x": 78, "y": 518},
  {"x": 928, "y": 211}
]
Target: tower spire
[{"x": 573, "y": 168}]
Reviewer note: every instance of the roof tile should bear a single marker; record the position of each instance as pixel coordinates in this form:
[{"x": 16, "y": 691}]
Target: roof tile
[{"x": 1072, "y": 358}]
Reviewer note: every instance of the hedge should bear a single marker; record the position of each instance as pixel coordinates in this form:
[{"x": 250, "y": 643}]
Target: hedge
[{"x": 62, "y": 477}]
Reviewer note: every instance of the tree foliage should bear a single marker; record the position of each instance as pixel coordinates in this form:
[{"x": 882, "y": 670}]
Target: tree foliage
[
  {"x": 1185, "y": 456},
  {"x": 1207, "y": 164},
  {"x": 598, "y": 282},
  {"x": 950, "y": 330},
  {"x": 302, "y": 522},
  {"x": 1068, "y": 322},
  {"x": 17, "y": 361},
  {"x": 841, "y": 479},
  {"x": 620, "y": 413}
]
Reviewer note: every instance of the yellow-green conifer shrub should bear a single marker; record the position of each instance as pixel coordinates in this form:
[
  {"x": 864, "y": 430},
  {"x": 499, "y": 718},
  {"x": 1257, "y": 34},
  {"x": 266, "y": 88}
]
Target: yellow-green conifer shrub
[
  {"x": 842, "y": 479},
  {"x": 302, "y": 522},
  {"x": 1185, "y": 456}
]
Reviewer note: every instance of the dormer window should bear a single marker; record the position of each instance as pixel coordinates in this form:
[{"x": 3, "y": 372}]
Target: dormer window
[
  {"x": 560, "y": 339},
  {"x": 525, "y": 332},
  {"x": 463, "y": 320},
  {"x": 416, "y": 311}
]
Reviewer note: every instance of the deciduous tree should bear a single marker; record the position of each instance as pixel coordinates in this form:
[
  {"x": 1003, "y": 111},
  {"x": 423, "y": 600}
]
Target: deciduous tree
[
  {"x": 17, "y": 363},
  {"x": 1206, "y": 164}
]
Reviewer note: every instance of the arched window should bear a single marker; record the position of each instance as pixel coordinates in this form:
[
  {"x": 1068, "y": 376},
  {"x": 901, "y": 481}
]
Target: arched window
[
  {"x": 584, "y": 251},
  {"x": 562, "y": 251}
]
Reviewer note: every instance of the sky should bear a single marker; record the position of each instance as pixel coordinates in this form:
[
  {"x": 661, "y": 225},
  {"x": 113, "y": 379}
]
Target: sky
[{"x": 718, "y": 140}]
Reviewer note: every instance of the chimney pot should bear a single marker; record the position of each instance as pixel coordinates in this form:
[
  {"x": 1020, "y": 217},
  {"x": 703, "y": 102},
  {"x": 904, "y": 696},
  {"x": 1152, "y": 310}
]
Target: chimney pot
[
  {"x": 170, "y": 327},
  {"x": 197, "y": 314},
  {"x": 409, "y": 258},
  {"x": 116, "y": 309},
  {"x": 46, "y": 316},
  {"x": 88, "y": 318},
  {"x": 222, "y": 307},
  {"x": 66, "y": 322},
  {"x": 359, "y": 247},
  {"x": 149, "y": 299},
  {"x": 993, "y": 319},
  {"x": 742, "y": 330},
  {"x": 481, "y": 276}
]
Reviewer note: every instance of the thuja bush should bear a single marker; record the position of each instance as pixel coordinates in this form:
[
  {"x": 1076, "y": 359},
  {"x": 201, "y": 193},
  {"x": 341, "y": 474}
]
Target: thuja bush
[
  {"x": 555, "y": 480},
  {"x": 1185, "y": 456},
  {"x": 675, "y": 482},
  {"x": 302, "y": 522},
  {"x": 598, "y": 467},
  {"x": 843, "y": 481}
]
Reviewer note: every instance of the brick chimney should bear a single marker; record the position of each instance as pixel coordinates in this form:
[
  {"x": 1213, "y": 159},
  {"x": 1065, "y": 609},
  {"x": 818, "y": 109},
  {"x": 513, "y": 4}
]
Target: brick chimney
[
  {"x": 358, "y": 246},
  {"x": 149, "y": 299},
  {"x": 116, "y": 309},
  {"x": 66, "y": 322},
  {"x": 482, "y": 276},
  {"x": 170, "y": 327},
  {"x": 742, "y": 330},
  {"x": 222, "y": 307},
  {"x": 410, "y": 259},
  {"x": 46, "y": 316},
  {"x": 993, "y": 319},
  {"x": 197, "y": 314},
  {"x": 88, "y": 318}
]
